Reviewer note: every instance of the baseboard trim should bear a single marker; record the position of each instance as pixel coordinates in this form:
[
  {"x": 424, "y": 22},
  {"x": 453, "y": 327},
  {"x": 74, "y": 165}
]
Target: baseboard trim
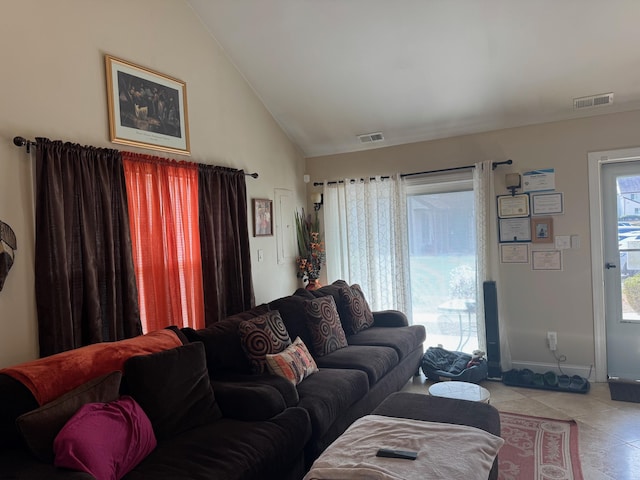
[{"x": 585, "y": 371}]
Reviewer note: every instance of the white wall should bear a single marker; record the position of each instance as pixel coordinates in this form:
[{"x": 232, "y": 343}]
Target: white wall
[
  {"x": 53, "y": 85},
  {"x": 534, "y": 302}
]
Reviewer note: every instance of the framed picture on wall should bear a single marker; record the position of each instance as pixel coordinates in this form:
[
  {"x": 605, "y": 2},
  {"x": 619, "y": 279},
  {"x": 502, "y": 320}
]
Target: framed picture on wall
[
  {"x": 542, "y": 228},
  {"x": 262, "y": 217},
  {"x": 146, "y": 108}
]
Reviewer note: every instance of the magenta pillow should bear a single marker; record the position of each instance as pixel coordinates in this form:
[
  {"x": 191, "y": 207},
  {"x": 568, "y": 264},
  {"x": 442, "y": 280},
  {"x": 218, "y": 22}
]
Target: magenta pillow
[{"x": 106, "y": 440}]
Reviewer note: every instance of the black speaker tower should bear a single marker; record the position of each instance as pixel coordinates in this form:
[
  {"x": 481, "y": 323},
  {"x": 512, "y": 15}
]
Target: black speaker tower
[{"x": 492, "y": 330}]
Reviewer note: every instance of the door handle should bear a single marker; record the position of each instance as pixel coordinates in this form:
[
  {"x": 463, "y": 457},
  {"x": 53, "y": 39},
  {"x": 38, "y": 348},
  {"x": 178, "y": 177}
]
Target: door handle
[{"x": 610, "y": 265}]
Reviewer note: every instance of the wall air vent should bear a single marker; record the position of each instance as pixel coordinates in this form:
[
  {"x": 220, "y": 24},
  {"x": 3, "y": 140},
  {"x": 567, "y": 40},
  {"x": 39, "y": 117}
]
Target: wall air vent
[
  {"x": 371, "y": 137},
  {"x": 593, "y": 101}
]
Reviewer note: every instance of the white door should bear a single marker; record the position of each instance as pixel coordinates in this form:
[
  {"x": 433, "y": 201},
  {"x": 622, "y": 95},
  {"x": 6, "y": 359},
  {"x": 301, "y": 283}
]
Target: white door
[{"x": 620, "y": 191}]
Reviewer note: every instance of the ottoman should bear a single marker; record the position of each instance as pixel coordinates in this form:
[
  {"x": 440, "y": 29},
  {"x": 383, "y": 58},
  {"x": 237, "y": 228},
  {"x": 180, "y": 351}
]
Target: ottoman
[{"x": 428, "y": 408}]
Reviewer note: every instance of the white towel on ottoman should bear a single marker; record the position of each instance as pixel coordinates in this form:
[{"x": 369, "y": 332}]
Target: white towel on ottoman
[{"x": 445, "y": 451}]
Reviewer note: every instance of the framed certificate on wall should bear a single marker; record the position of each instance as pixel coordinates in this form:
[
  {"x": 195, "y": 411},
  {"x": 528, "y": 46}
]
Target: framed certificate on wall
[
  {"x": 515, "y": 230},
  {"x": 510, "y": 206}
]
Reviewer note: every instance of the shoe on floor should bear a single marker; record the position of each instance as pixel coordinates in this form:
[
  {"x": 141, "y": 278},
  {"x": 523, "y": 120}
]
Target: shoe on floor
[
  {"x": 564, "y": 381},
  {"x": 577, "y": 383},
  {"x": 550, "y": 379}
]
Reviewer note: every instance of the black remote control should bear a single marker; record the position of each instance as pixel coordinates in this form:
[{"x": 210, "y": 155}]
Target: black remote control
[{"x": 388, "y": 453}]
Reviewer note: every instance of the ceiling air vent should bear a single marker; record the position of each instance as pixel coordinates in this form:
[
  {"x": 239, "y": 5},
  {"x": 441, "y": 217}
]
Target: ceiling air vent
[
  {"x": 371, "y": 137},
  {"x": 593, "y": 101}
]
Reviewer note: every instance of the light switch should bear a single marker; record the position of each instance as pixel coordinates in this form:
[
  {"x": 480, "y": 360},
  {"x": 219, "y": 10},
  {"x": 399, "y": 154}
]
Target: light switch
[
  {"x": 563, "y": 242},
  {"x": 575, "y": 241},
  {"x": 261, "y": 255}
]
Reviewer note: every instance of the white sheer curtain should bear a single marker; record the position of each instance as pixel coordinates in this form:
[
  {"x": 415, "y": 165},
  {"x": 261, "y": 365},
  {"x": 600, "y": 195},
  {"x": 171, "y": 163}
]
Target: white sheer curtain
[
  {"x": 487, "y": 255},
  {"x": 366, "y": 239}
]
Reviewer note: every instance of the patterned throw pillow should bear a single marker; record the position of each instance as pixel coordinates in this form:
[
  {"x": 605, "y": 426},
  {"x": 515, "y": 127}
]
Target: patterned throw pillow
[
  {"x": 295, "y": 363},
  {"x": 324, "y": 324},
  {"x": 261, "y": 336},
  {"x": 359, "y": 315}
]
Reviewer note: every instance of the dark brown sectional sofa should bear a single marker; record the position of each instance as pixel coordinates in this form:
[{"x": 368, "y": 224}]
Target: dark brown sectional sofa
[
  {"x": 262, "y": 426},
  {"x": 351, "y": 382}
]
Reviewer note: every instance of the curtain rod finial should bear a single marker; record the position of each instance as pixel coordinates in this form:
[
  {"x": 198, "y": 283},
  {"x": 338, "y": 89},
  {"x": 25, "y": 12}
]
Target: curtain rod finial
[{"x": 19, "y": 141}]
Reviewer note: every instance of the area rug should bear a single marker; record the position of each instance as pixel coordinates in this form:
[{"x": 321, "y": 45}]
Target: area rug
[{"x": 538, "y": 448}]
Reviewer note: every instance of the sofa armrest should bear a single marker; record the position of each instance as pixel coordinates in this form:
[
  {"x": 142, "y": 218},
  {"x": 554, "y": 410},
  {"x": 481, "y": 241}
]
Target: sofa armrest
[
  {"x": 248, "y": 402},
  {"x": 390, "y": 318}
]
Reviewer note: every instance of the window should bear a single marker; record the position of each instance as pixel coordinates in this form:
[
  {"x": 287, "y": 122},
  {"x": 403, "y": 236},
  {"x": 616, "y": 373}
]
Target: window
[{"x": 442, "y": 255}]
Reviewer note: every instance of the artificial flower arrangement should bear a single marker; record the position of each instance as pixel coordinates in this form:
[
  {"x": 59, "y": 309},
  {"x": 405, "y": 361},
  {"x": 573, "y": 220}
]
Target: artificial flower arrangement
[{"x": 311, "y": 253}]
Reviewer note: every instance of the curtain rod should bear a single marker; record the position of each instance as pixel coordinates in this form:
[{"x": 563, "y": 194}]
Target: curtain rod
[
  {"x": 23, "y": 142},
  {"x": 494, "y": 165}
]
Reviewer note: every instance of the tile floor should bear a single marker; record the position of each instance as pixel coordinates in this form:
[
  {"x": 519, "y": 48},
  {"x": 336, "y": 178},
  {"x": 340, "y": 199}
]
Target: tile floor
[{"x": 609, "y": 429}]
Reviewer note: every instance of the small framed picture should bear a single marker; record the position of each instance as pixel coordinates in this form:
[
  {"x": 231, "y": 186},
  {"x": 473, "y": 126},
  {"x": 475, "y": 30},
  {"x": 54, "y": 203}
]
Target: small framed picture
[
  {"x": 542, "y": 228},
  {"x": 262, "y": 217}
]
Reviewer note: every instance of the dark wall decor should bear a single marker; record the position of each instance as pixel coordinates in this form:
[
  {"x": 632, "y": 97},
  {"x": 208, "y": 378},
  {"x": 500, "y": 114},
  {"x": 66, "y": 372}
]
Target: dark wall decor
[{"x": 8, "y": 246}]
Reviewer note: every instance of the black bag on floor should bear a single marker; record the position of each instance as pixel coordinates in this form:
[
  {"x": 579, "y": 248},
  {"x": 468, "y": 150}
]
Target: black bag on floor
[{"x": 438, "y": 363}]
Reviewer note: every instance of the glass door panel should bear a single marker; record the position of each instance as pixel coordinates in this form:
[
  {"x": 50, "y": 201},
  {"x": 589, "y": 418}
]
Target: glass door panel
[
  {"x": 443, "y": 267},
  {"x": 621, "y": 227}
]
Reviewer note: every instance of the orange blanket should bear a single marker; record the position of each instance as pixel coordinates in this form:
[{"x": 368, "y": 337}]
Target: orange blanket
[{"x": 49, "y": 377}]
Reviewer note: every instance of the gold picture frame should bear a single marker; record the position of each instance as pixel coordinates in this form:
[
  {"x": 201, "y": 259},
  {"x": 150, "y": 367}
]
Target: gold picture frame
[
  {"x": 262, "y": 217},
  {"x": 146, "y": 108},
  {"x": 542, "y": 229}
]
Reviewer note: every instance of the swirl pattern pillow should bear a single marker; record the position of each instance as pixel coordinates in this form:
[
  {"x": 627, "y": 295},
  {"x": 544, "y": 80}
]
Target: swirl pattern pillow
[
  {"x": 358, "y": 313},
  {"x": 324, "y": 323},
  {"x": 261, "y": 336}
]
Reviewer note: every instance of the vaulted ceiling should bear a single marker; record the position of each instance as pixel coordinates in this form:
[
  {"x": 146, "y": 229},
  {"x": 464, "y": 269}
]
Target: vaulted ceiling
[{"x": 329, "y": 70}]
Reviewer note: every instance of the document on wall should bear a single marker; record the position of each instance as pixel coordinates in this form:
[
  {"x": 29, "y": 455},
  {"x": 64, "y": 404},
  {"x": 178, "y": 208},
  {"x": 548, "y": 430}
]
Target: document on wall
[
  {"x": 546, "y": 260},
  {"x": 514, "y": 253},
  {"x": 513, "y": 206},
  {"x": 515, "y": 229},
  {"x": 538, "y": 180}
]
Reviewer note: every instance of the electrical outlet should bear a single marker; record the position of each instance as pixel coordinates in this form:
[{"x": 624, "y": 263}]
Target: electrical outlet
[{"x": 552, "y": 339}]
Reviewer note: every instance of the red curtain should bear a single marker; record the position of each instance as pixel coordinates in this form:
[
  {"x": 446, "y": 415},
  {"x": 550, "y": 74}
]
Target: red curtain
[{"x": 163, "y": 211}]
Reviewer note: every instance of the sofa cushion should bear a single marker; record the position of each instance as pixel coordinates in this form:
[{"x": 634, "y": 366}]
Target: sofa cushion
[
  {"x": 357, "y": 314},
  {"x": 324, "y": 324},
  {"x": 295, "y": 363},
  {"x": 230, "y": 449},
  {"x": 39, "y": 427},
  {"x": 173, "y": 389},
  {"x": 249, "y": 402},
  {"x": 291, "y": 310},
  {"x": 106, "y": 440},
  {"x": 376, "y": 362},
  {"x": 262, "y": 336},
  {"x": 15, "y": 399},
  {"x": 222, "y": 343},
  {"x": 402, "y": 339},
  {"x": 328, "y": 394}
]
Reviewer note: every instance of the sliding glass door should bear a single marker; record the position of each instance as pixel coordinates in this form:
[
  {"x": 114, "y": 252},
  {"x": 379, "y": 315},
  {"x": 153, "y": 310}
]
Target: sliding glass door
[{"x": 442, "y": 252}]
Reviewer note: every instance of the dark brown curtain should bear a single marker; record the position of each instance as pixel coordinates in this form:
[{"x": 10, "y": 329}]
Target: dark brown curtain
[
  {"x": 85, "y": 281},
  {"x": 224, "y": 242}
]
